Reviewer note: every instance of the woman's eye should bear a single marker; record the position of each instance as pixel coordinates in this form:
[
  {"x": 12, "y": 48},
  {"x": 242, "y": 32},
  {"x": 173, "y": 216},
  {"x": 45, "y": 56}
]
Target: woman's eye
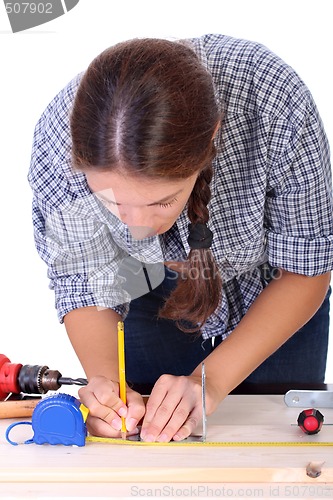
[
  {"x": 108, "y": 203},
  {"x": 168, "y": 204}
]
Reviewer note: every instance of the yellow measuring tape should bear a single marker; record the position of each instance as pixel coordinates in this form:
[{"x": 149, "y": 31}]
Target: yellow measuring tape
[{"x": 95, "y": 439}]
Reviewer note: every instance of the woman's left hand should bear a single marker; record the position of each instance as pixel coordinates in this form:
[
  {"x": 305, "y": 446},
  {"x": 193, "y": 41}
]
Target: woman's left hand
[{"x": 174, "y": 408}]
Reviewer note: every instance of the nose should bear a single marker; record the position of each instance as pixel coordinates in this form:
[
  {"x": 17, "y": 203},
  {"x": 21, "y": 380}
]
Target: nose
[{"x": 139, "y": 222}]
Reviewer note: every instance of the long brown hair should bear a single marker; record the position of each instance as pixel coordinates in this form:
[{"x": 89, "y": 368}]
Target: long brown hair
[{"x": 148, "y": 107}]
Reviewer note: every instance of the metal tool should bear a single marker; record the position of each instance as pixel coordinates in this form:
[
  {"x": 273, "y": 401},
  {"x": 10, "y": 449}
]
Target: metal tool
[
  {"x": 203, "y": 399},
  {"x": 16, "y": 378},
  {"x": 307, "y": 399}
]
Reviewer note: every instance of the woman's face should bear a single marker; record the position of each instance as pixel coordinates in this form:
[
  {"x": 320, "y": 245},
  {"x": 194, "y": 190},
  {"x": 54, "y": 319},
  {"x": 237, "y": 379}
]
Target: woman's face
[{"x": 148, "y": 207}]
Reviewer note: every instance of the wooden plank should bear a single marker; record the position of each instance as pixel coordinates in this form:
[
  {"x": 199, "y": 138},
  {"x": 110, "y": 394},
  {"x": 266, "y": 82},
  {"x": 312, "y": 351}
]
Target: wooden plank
[
  {"x": 237, "y": 418},
  {"x": 176, "y": 474}
]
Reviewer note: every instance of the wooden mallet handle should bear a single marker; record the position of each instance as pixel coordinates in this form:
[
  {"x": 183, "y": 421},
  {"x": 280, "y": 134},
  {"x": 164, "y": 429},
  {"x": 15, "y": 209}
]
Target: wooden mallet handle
[{"x": 16, "y": 409}]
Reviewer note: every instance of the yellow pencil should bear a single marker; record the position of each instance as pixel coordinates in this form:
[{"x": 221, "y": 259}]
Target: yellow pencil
[{"x": 122, "y": 374}]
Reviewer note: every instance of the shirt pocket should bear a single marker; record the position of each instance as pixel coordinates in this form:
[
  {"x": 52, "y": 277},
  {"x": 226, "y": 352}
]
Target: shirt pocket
[
  {"x": 243, "y": 248},
  {"x": 88, "y": 254}
]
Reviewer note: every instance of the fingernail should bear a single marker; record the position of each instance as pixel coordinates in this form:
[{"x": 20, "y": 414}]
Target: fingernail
[
  {"x": 163, "y": 438},
  {"x": 149, "y": 438},
  {"x": 134, "y": 432},
  {"x": 116, "y": 424},
  {"x": 122, "y": 411},
  {"x": 131, "y": 423}
]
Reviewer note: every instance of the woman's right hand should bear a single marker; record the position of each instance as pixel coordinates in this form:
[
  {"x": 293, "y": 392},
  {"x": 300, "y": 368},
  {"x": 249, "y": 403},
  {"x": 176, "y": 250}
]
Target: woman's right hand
[{"x": 101, "y": 397}]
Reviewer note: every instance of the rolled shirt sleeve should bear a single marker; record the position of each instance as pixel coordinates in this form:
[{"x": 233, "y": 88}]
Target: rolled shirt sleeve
[{"x": 298, "y": 209}]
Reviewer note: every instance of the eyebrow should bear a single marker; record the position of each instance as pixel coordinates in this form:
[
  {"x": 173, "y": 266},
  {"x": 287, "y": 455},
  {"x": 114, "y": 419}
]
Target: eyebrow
[{"x": 163, "y": 200}]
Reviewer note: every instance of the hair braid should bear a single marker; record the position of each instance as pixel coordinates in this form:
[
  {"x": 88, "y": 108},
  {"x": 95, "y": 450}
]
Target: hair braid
[
  {"x": 198, "y": 290},
  {"x": 197, "y": 204}
]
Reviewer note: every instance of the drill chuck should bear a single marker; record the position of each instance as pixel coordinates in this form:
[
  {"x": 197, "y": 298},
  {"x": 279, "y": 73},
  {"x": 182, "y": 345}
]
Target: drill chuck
[
  {"x": 30, "y": 379},
  {"x": 36, "y": 379}
]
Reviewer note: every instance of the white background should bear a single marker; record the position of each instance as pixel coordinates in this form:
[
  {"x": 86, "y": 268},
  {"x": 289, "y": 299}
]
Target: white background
[{"x": 37, "y": 63}]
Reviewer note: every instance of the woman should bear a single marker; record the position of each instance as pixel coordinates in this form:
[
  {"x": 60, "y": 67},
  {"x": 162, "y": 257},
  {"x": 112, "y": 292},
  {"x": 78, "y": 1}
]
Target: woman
[{"x": 185, "y": 186}]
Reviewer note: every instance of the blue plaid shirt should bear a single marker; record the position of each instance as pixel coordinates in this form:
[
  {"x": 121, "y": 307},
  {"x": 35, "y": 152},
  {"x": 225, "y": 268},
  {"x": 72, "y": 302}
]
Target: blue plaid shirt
[{"x": 271, "y": 193}]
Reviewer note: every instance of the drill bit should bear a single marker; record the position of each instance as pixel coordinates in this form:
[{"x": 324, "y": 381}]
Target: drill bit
[{"x": 72, "y": 381}]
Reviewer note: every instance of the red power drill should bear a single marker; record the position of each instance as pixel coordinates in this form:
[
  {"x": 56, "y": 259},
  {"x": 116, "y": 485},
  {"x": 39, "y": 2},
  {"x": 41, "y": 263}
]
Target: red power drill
[{"x": 31, "y": 379}]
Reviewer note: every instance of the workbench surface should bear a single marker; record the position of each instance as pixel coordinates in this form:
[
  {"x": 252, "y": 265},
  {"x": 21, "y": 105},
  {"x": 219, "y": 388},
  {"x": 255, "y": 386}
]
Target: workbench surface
[{"x": 109, "y": 470}]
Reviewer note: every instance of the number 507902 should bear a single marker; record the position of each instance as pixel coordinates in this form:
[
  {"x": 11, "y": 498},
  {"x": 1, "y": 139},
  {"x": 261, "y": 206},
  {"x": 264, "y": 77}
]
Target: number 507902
[{"x": 28, "y": 8}]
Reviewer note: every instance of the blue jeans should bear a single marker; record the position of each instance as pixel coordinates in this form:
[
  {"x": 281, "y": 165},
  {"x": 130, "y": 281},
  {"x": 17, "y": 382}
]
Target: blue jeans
[{"x": 156, "y": 346}]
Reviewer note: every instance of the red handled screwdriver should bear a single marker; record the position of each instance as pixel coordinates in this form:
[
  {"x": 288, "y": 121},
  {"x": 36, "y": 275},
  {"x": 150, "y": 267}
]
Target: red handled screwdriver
[{"x": 310, "y": 421}]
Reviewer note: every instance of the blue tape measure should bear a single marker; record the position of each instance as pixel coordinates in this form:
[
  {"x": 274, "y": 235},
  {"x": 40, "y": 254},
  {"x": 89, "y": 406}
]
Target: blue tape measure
[{"x": 58, "y": 419}]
